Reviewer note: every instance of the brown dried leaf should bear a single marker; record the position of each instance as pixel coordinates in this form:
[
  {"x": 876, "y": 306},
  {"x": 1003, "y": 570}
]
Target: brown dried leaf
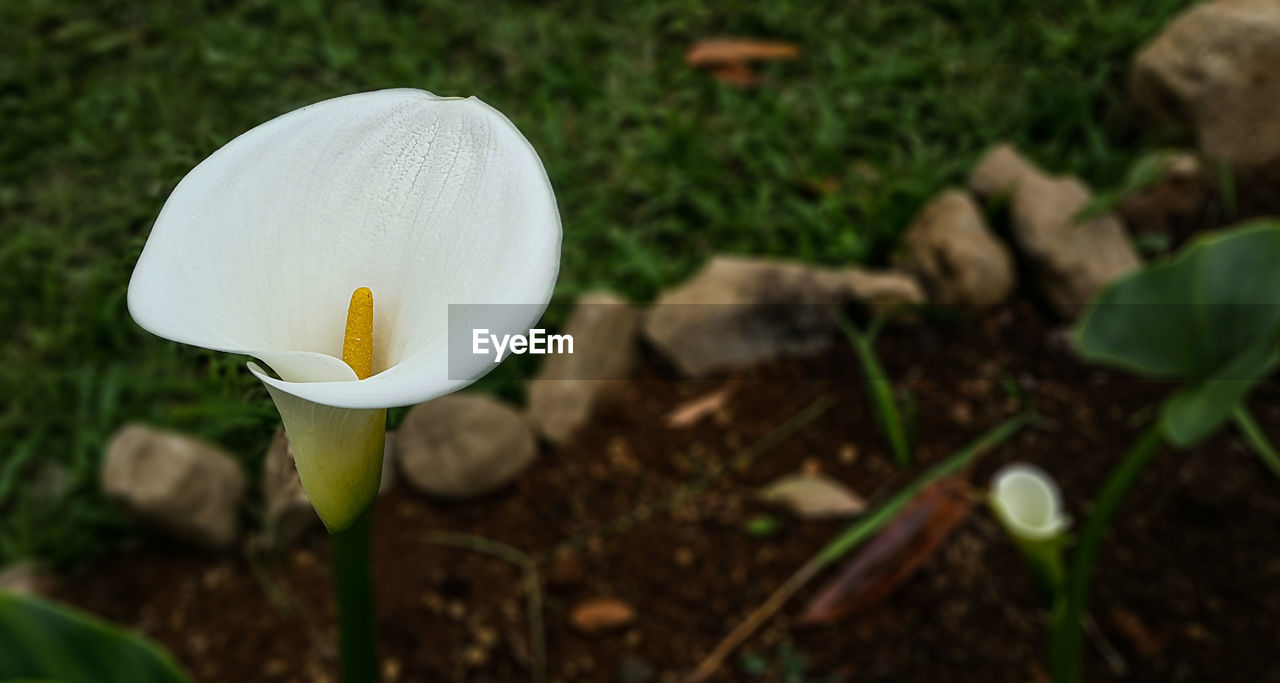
[
  {"x": 814, "y": 497},
  {"x": 895, "y": 553},
  {"x": 736, "y": 74},
  {"x": 713, "y": 51},
  {"x": 692, "y": 412}
]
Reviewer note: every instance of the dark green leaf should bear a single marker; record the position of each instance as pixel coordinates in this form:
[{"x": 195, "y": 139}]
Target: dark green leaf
[
  {"x": 1197, "y": 411},
  {"x": 39, "y": 640},
  {"x": 1192, "y": 318}
]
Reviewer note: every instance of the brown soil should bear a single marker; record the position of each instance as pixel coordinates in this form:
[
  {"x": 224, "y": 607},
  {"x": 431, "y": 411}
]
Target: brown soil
[{"x": 1188, "y": 584}]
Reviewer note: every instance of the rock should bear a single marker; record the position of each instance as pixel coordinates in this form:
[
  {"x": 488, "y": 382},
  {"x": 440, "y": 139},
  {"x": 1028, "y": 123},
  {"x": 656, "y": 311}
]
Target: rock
[
  {"x": 188, "y": 488},
  {"x": 561, "y": 398},
  {"x": 814, "y": 496},
  {"x": 25, "y": 577},
  {"x": 288, "y": 510},
  {"x": 1216, "y": 70},
  {"x": 1072, "y": 259},
  {"x": 999, "y": 171},
  {"x": 738, "y": 311},
  {"x": 463, "y": 445},
  {"x": 599, "y": 616},
  {"x": 289, "y": 514},
  {"x": 956, "y": 255},
  {"x": 880, "y": 291}
]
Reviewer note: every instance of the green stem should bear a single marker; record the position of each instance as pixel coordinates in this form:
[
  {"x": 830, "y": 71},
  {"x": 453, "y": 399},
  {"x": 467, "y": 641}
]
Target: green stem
[
  {"x": 1044, "y": 559},
  {"x": 880, "y": 390},
  {"x": 1256, "y": 438},
  {"x": 354, "y": 590},
  {"x": 1066, "y": 639}
]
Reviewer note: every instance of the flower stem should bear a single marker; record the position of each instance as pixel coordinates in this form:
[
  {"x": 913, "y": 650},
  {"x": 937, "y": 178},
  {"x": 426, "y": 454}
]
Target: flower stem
[
  {"x": 1066, "y": 638},
  {"x": 1257, "y": 438},
  {"x": 354, "y": 590}
]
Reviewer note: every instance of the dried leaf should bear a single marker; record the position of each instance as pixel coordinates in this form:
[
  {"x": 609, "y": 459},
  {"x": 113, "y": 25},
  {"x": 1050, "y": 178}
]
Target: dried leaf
[
  {"x": 736, "y": 74},
  {"x": 692, "y": 412},
  {"x": 714, "y": 51},
  {"x": 814, "y": 497},
  {"x": 895, "y": 554}
]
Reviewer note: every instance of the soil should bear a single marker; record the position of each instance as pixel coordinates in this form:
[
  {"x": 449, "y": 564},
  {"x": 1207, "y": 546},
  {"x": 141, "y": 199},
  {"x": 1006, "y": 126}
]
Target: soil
[{"x": 1187, "y": 586}]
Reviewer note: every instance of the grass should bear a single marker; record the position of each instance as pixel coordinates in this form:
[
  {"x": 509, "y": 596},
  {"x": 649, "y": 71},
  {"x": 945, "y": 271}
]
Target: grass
[{"x": 107, "y": 104}]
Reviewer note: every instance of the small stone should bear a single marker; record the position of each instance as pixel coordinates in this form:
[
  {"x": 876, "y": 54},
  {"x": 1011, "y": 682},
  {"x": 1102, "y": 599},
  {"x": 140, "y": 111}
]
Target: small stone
[
  {"x": 599, "y": 616},
  {"x": 475, "y": 656},
  {"x": 739, "y": 311},
  {"x": 635, "y": 669},
  {"x": 814, "y": 497},
  {"x": 463, "y": 445},
  {"x": 183, "y": 486},
  {"x": 486, "y": 636},
  {"x": 957, "y": 256},
  {"x": 999, "y": 171},
  {"x": 563, "y": 395},
  {"x": 1072, "y": 259},
  {"x": 391, "y": 669},
  {"x": 288, "y": 510},
  {"x": 1216, "y": 70},
  {"x": 25, "y": 577},
  {"x": 684, "y": 557},
  {"x": 881, "y": 291},
  {"x": 848, "y": 454}
]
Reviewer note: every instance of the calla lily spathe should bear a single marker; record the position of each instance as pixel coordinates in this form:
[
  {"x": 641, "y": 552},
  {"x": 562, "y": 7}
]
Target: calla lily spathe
[
  {"x": 1028, "y": 503},
  {"x": 428, "y": 201}
]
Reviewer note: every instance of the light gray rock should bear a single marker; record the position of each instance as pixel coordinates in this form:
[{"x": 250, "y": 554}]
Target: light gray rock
[
  {"x": 562, "y": 397},
  {"x": 960, "y": 261},
  {"x": 1216, "y": 70},
  {"x": 289, "y": 514},
  {"x": 739, "y": 311},
  {"x": 25, "y": 577},
  {"x": 999, "y": 171},
  {"x": 463, "y": 445},
  {"x": 880, "y": 290},
  {"x": 1072, "y": 258},
  {"x": 186, "y": 487}
]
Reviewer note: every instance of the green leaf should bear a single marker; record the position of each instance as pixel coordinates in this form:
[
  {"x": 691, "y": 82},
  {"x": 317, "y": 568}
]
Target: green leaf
[
  {"x": 1197, "y": 411},
  {"x": 41, "y": 641},
  {"x": 1193, "y": 317}
]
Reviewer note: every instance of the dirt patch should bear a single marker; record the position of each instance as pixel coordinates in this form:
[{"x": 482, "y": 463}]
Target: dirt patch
[{"x": 1187, "y": 587}]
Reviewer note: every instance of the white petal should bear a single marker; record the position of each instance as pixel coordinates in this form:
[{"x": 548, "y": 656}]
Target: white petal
[
  {"x": 1028, "y": 502},
  {"x": 427, "y": 201},
  {"x": 338, "y": 452}
]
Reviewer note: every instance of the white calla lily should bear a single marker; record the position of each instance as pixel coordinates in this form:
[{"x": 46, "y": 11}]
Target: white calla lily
[
  {"x": 1028, "y": 503},
  {"x": 427, "y": 201}
]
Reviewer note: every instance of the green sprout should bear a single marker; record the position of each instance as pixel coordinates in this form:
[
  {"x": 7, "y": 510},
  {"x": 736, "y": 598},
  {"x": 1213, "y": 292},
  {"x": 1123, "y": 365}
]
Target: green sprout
[{"x": 880, "y": 389}]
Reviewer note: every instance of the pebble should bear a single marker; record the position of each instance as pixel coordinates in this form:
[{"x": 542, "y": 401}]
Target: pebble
[{"x": 599, "y": 616}]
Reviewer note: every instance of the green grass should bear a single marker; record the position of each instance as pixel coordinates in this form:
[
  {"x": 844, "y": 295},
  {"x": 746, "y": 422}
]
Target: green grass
[{"x": 106, "y": 105}]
